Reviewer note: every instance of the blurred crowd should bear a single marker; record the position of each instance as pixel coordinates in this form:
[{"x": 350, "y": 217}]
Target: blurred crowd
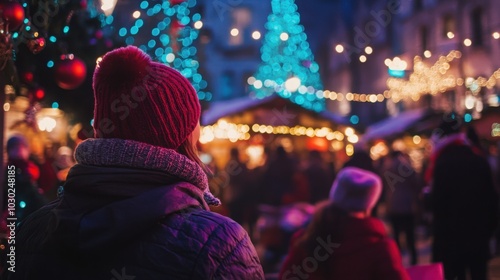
[{"x": 452, "y": 199}]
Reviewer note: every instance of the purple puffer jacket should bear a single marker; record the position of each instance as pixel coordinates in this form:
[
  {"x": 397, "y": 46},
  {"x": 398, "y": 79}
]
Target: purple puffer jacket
[{"x": 131, "y": 223}]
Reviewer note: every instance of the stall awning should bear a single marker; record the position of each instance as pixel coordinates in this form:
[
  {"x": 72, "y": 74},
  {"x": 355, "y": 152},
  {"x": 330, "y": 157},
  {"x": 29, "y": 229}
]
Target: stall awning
[
  {"x": 279, "y": 108},
  {"x": 395, "y": 126},
  {"x": 220, "y": 109}
]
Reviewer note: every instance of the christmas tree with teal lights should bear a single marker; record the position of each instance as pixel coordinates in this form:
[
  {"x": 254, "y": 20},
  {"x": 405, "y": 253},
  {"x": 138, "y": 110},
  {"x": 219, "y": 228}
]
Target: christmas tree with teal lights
[
  {"x": 288, "y": 67},
  {"x": 167, "y": 31}
]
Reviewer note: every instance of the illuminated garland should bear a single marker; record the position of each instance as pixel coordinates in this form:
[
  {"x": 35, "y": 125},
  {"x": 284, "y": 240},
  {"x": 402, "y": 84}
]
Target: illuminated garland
[
  {"x": 423, "y": 80},
  {"x": 236, "y": 132}
]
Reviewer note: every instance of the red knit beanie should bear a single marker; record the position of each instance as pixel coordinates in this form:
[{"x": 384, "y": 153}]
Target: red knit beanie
[{"x": 142, "y": 100}]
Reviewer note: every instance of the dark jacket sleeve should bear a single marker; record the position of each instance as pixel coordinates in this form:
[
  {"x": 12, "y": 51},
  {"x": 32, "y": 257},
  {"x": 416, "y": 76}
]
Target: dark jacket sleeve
[{"x": 233, "y": 254}]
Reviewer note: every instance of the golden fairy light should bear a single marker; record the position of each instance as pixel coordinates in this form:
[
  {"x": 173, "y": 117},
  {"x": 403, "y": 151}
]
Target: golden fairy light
[{"x": 237, "y": 132}]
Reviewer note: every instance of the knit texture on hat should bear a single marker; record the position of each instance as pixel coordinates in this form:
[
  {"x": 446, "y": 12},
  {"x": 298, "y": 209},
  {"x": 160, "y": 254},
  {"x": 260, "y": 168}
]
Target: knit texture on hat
[
  {"x": 138, "y": 99},
  {"x": 128, "y": 153},
  {"x": 356, "y": 189}
]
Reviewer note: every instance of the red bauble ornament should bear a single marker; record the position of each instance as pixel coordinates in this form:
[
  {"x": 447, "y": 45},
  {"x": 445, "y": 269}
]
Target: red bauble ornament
[
  {"x": 27, "y": 77},
  {"x": 176, "y": 2},
  {"x": 176, "y": 24},
  {"x": 39, "y": 94},
  {"x": 83, "y": 4},
  {"x": 12, "y": 13},
  {"x": 99, "y": 34},
  {"x": 70, "y": 72},
  {"x": 36, "y": 45}
]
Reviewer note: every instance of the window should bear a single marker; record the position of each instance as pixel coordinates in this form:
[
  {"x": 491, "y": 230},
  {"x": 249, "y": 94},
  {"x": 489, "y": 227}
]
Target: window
[
  {"x": 226, "y": 85},
  {"x": 449, "y": 27},
  {"x": 244, "y": 80},
  {"x": 477, "y": 27},
  {"x": 240, "y": 27}
]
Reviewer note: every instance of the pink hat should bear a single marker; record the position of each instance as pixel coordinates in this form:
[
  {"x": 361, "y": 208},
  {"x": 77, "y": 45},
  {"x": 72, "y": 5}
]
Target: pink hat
[
  {"x": 138, "y": 99},
  {"x": 356, "y": 189}
]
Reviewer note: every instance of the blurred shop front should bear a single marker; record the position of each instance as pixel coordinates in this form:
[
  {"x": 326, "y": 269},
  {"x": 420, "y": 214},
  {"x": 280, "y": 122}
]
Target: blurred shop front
[{"x": 255, "y": 126}]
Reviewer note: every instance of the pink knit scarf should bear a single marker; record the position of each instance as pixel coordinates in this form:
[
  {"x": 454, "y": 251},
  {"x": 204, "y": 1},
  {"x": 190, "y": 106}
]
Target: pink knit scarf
[{"x": 127, "y": 153}]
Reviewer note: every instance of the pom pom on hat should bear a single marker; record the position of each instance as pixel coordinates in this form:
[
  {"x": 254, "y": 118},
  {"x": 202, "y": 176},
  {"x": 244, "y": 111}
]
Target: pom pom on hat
[
  {"x": 138, "y": 99},
  {"x": 122, "y": 66},
  {"x": 356, "y": 189}
]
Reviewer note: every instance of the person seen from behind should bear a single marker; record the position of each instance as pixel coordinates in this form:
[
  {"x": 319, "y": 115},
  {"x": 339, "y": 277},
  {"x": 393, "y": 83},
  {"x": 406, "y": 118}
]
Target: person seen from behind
[
  {"x": 21, "y": 180},
  {"x": 343, "y": 241},
  {"x": 463, "y": 201},
  {"x": 136, "y": 204}
]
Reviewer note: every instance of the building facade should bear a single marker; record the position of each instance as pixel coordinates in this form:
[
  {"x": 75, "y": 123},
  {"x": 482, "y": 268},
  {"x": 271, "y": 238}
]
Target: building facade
[{"x": 231, "y": 40}]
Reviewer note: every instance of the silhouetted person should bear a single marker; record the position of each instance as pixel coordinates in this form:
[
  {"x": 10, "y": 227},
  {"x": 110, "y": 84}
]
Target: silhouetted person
[
  {"x": 278, "y": 177},
  {"x": 240, "y": 197},
  {"x": 21, "y": 180},
  {"x": 464, "y": 203},
  {"x": 403, "y": 186},
  {"x": 317, "y": 177}
]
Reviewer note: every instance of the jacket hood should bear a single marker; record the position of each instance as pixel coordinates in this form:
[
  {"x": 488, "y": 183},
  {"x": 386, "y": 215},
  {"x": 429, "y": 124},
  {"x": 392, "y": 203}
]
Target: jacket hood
[{"x": 105, "y": 207}]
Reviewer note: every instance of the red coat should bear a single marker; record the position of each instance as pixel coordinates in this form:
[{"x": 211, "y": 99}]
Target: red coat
[{"x": 365, "y": 253}]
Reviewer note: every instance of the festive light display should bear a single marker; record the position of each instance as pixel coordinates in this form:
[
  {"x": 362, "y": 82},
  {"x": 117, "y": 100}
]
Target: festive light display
[
  {"x": 236, "y": 132},
  {"x": 167, "y": 31},
  {"x": 288, "y": 67},
  {"x": 424, "y": 80}
]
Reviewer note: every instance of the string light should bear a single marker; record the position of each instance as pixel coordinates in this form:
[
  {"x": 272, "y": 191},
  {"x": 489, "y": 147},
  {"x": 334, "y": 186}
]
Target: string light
[
  {"x": 256, "y": 35},
  {"x": 234, "y": 32},
  {"x": 198, "y": 24},
  {"x": 339, "y": 48},
  {"x": 237, "y": 132},
  {"x": 424, "y": 79}
]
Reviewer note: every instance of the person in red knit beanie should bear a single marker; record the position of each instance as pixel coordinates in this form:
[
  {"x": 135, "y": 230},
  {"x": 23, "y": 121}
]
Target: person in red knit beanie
[{"x": 136, "y": 204}]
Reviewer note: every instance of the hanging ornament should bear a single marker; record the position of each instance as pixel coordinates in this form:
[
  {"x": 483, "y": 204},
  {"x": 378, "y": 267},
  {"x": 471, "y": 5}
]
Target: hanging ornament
[
  {"x": 176, "y": 2},
  {"x": 84, "y": 4},
  {"x": 27, "y": 77},
  {"x": 175, "y": 28},
  {"x": 30, "y": 115},
  {"x": 12, "y": 14},
  {"x": 36, "y": 45},
  {"x": 39, "y": 94},
  {"x": 5, "y": 45},
  {"x": 70, "y": 72}
]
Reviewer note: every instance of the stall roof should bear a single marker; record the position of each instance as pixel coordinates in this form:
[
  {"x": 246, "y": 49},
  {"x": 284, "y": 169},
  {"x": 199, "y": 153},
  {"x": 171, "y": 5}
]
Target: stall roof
[
  {"x": 394, "y": 126},
  {"x": 220, "y": 109}
]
